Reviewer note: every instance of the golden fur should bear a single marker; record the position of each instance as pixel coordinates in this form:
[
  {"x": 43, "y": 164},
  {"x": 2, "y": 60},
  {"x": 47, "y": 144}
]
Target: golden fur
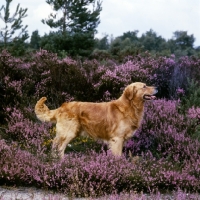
[{"x": 113, "y": 122}]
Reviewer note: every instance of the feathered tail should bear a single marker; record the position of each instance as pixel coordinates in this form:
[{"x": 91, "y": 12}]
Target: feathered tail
[{"x": 43, "y": 113}]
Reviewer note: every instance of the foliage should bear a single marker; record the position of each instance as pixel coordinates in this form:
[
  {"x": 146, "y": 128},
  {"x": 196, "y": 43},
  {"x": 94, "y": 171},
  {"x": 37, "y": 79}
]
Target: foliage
[
  {"x": 55, "y": 43},
  {"x": 35, "y": 40},
  {"x": 44, "y": 74},
  {"x": 183, "y": 40},
  {"x": 167, "y": 143},
  {"x": 152, "y": 42},
  {"x": 12, "y": 24},
  {"x": 165, "y": 162},
  {"x": 192, "y": 96},
  {"x": 194, "y": 115},
  {"x": 129, "y": 44},
  {"x": 103, "y": 43},
  {"x": 166, "y": 133},
  {"x": 76, "y": 16},
  {"x": 77, "y": 25},
  {"x": 132, "y": 35},
  {"x": 84, "y": 145},
  {"x": 28, "y": 135}
]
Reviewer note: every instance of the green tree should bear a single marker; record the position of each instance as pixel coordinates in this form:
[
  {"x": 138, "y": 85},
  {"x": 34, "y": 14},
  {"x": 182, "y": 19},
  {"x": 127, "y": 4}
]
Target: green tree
[
  {"x": 132, "y": 35},
  {"x": 103, "y": 43},
  {"x": 126, "y": 45},
  {"x": 115, "y": 46},
  {"x": 191, "y": 97},
  {"x": 79, "y": 20},
  {"x": 35, "y": 40},
  {"x": 13, "y": 24},
  {"x": 183, "y": 40},
  {"x": 62, "y": 45},
  {"x": 151, "y": 42},
  {"x": 182, "y": 44}
]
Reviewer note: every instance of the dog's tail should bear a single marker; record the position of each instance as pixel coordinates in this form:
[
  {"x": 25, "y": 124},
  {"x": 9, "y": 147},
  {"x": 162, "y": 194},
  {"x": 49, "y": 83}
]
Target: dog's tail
[{"x": 43, "y": 113}]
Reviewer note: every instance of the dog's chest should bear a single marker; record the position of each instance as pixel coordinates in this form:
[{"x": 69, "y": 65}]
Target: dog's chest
[
  {"x": 126, "y": 129},
  {"x": 129, "y": 134}
]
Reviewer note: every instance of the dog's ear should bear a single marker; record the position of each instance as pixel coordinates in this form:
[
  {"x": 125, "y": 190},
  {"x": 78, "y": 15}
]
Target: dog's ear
[{"x": 129, "y": 92}]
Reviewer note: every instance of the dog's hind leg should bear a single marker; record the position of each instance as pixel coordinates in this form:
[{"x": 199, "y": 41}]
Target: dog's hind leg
[
  {"x": 64, "y": 134},
  {"x": 116, "y": 145}
]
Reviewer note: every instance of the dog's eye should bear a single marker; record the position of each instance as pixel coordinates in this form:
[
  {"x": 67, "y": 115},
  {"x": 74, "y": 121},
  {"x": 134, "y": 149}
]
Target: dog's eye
[{"x": 144, "y": 86}]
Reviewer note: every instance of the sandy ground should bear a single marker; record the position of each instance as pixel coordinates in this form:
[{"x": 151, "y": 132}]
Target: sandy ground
[{"x": 26, "y": 193}]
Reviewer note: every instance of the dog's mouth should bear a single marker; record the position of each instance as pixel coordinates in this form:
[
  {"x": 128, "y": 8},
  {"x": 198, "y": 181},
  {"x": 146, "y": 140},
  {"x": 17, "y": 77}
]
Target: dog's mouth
[{"x": 149, "y": 97}]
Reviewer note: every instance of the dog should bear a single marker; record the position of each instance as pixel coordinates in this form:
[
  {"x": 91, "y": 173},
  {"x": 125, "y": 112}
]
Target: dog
[{"x": 113, "y": 122}]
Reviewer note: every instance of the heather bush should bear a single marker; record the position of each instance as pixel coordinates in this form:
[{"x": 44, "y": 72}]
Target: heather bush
[
  {"x": 44, "y": 74},
  {"x": 18, "y": 167},
  {"x": 12, "y": 72},
  {"x": 109, "y": 82},
  {"x": 169, "y": 158},
  {"x": 60, "y": 80},
  {"x": 167, "y": 143},
  {"x": 77, "y": 175},
  {"x": 174, "y": 156},
  {"x": 165, "y": 132},
  {"x": 94, "y": 174},
  {"x": 194, "y": 115},
  {"x": 169, "y": 75},
  {"x": 186, "y": 69},
  {"x": 28, "y": 135}
]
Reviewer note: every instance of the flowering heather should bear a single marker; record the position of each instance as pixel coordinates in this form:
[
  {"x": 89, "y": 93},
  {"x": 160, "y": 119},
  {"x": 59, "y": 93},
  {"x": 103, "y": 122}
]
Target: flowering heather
[
  {"x": 165, "y": 132},
  {"x": 93, "y": 174},
  {"x": 194, "y": 113},
  {"x": 180, "y": 91},
  {"x": 76, "y": 175},
  {"x": 15, "y": 87},
  {"x": 26, "y": 133},
  {"x": 157, "y": 72},
  {"x": 169, "y": 158},
  {"x": 45, "y": 74},
  {"x": 167, "y": 143}
]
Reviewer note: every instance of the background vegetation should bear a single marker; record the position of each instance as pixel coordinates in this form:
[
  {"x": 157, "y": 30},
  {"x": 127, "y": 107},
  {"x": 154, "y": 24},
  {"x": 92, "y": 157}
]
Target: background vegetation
[
  {"x": 73, "y": 34},
  {"x": 168, "y": 142}
]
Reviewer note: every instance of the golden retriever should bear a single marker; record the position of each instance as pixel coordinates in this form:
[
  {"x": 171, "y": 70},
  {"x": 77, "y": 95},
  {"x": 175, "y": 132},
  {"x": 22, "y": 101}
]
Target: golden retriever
[{"x": 113, "y": 122}]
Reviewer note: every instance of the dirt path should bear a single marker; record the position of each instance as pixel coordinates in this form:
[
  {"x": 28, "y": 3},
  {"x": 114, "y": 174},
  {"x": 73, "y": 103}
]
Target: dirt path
[
  {"x": 27, "y": 193},
  {"x": 31, "y": 193}
]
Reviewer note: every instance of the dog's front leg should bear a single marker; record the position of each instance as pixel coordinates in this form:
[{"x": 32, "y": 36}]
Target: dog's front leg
[{"x": 116, "y": 145}]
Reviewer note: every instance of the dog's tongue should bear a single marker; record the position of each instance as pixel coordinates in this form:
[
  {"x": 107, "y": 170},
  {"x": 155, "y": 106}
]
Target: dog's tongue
[{"x": 153, "y": 97}]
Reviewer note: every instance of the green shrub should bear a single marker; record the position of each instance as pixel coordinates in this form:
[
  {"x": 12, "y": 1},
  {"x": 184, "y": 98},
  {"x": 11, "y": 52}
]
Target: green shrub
[{"x": 191, "y": 98}]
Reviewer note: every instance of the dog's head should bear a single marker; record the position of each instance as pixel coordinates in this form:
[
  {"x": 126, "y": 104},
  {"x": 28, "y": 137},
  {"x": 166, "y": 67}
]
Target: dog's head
[{"x": 140, "y": 91}]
